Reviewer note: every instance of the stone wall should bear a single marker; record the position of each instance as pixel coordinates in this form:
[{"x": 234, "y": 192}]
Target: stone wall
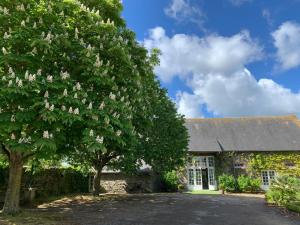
[
  {"x": 48, "y": 182},
  {"x": 122, "y": 183}
]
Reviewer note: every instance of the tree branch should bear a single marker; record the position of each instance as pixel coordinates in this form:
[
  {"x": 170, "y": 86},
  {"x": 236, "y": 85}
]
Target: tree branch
[
  {"x": 27, "y": 156},
  {"x": 5, "y": 150}
]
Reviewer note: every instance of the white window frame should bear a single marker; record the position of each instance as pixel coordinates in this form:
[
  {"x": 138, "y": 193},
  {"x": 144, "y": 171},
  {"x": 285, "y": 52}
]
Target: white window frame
[
  {"x": 194, "y": 172},
  {"x": 266, "y": 177}
]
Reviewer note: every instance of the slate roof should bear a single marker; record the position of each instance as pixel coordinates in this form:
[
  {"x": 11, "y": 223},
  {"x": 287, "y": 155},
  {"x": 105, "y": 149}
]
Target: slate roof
[{"x": 278, "y": 133}]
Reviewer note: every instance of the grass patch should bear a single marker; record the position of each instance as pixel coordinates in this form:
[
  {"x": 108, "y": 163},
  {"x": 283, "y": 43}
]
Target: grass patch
[{"x": 204, "y": 192}]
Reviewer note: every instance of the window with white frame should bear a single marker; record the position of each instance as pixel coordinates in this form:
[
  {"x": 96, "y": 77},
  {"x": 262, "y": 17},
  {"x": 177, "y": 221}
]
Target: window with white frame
[
  {"x": 211, "y": 176},
  {"x": 211, "y": 161},
  {"x": 267, "y": 177},
  {"x": 198, "y": 177},
  {"x": 203, "y": 162},
  {"x": 197, "y": 162},
  {"x": 191, "y": 177}
]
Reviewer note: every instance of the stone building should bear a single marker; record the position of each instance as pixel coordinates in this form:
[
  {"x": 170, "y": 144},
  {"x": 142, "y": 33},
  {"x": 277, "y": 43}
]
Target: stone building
[{"x": 258, "y": 146}]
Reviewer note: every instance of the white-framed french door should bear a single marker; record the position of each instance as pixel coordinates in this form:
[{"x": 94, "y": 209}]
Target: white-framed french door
[
  {"x": 194, "y": 179},
  {"x": 201, "y": 173}
]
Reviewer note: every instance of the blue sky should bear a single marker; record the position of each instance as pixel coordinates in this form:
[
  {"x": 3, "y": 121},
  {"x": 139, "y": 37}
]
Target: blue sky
[{"x": 223, "y": 58}]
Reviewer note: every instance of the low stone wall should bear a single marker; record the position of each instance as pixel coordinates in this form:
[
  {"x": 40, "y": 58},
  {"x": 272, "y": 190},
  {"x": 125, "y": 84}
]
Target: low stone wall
[
  {"x": 121, "y": 183},
  {"x": 48, "y": 182}
]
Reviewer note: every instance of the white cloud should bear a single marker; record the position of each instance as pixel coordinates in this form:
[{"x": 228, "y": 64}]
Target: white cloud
[
  {"x": 184, "y": 11},
  {"x": 214, "y": 68},
  {"x": 239, "y": 2},
  {"x": 241, "y": 94},
  {"x": 266, "y": 14},
  {"x": 188, "y": 105},
  {"x": 183, "y": 54},
  {"x": 287, "y": 42}
]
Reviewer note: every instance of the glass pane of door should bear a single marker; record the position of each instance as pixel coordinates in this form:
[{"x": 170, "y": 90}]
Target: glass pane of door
[
  {"x": 198, "y": 177},
  {"x": 211, "y": 176},
  {"x": 191, "y": 177}
]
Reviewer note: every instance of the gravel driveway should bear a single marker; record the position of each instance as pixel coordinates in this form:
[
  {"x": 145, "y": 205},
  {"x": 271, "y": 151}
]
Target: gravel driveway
[{"x": 175, "y": 209}]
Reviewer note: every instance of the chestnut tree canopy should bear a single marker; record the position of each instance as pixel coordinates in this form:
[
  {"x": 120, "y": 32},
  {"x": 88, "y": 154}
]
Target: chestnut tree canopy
[{"x": 73, "y": 77}]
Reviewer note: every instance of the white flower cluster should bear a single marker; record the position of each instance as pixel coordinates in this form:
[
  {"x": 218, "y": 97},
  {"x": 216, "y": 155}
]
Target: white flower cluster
[
  {"x": 98, "y": 138},
  {"x": 108, "y": 22},
  {"x": 86, "y": 9},
  {"x": 78, "y": 86},
  {"x": 47, "y": 135},
  {"x": 64, "y": 75},
  {"x": 71, "y": 111},
  {"x": 49, "y": 37},
  {"x": 116, "y": 115},
  {"x": 11, "y": 73},
  {"x": 102, "y": 105},
  {"x": 65, "y": 93},
  {"x": 98, "y": 63},
  {"x": 50, "y": 9},
  {"x": 4, "y": 10},
  {"x": 47, "y": 106},
  {"x": 118, "y": 133},
  {"x": 76, "y": 33},
  {"x": 24, "y": 140},
  {"x": 20, "y": 7},
  {"x": 91, "y": 133},
  {"x": 30, "y": 77},
  {"x": 4, "y": 51},
  {"x": 76, "y": 111},
  {"x": 6, "y": 35},
  {"x": 112, "y": 96},
  {"x": 50, "y": 78}
]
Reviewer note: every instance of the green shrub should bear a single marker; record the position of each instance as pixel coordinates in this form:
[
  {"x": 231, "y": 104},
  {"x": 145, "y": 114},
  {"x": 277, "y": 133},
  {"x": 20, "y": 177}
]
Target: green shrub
[
  {"x": 284, "y": 190},
  {"x": 170, "y": 181},
  {"x": 294, "y": 206},
  {"x": 227, "y": 183},
  {"x": 248, "y": 184},
  {"x": 180, "y": 187}
]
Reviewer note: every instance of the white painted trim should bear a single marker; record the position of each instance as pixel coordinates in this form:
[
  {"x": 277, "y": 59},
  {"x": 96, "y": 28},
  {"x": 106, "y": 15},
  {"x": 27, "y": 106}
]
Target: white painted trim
[{"x": 201, "y": 166}]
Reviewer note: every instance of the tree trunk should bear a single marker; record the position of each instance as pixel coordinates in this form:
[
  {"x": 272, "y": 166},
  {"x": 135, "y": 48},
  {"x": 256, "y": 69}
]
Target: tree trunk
[
  {"x": 12, "y": 197},
  {"x": 97, "y": 180}
]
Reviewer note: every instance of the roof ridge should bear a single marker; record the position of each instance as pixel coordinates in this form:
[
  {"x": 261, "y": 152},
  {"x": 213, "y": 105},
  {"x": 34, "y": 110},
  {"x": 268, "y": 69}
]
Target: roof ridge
[{"x": 290, "y": 117}]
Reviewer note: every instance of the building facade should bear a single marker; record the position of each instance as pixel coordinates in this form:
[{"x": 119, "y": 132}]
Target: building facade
[
  {"x": 261, "y": 147},
  {"x": 257, "y": 146}
]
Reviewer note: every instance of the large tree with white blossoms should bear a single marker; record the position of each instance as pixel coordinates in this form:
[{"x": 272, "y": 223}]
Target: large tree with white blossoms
[
  {"x": 72, "y": 77},
  {"x": 61, "y": 63}
]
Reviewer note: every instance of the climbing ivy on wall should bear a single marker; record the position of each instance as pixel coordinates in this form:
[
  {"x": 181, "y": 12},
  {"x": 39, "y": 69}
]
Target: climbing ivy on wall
[
  {"x": 275, "y": 161},
  {"x": 256, "y": 162}
]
